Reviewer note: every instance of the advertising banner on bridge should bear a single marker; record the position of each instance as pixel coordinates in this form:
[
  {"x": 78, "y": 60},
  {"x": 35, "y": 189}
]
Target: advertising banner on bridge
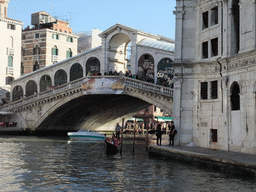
[{"x": 103, "y": 86}]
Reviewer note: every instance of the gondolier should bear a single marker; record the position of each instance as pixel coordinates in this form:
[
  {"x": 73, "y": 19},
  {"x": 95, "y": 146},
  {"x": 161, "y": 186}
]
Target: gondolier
[{"x": 118, "y": 129}]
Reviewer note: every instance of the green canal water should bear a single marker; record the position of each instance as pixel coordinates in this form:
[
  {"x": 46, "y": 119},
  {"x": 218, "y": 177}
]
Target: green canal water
[{"x": 30, "y": 163}]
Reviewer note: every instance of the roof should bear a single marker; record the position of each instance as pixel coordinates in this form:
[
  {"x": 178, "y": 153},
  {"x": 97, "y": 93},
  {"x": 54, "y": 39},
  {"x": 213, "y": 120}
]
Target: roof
[{"x": 158, "y": 44}]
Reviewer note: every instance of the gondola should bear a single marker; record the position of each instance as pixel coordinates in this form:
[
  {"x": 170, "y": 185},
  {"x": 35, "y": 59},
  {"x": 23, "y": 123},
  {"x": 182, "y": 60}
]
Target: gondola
[{"x": 111, "y": 148}]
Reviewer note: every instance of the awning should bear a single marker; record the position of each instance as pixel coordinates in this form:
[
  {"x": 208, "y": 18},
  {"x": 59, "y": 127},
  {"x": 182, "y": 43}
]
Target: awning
[
  {"x": 5, "y": 113},
  {"x": 137, "y": 119},
  {"x": 159, "y": 118}
]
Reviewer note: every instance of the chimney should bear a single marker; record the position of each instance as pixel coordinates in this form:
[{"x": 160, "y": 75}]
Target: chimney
[{"x": 3, "y": 8}]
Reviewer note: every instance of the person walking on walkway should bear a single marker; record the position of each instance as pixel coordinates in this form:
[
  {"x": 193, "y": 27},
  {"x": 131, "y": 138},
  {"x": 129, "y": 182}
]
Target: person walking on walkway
[
  {"x": 118, "y": 129},
  {"x": 172, "y": 133},
  {"x": 158, "y": 134}
]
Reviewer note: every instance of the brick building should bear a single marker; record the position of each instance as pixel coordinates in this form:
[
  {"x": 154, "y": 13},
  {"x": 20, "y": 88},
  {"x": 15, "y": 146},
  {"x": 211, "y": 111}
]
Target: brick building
[{"x": 48, "y": 42}]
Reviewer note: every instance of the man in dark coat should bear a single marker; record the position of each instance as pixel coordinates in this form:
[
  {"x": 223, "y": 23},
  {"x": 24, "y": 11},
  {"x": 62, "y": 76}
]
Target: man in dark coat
[
  {"x": 158, "y": 134},
  {"x": 172, "y": 133}
]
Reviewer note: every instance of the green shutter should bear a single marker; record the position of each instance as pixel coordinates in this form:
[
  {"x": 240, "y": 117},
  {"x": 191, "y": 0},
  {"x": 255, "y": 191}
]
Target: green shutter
[{"x": 10, "y": 61}]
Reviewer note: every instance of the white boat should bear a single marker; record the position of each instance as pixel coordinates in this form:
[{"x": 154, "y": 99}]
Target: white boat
[{"x": 86, "y": 135}]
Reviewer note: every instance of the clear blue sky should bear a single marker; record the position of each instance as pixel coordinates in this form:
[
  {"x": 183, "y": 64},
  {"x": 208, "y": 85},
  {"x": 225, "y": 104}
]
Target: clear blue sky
[{"x": 153, "y": 16}]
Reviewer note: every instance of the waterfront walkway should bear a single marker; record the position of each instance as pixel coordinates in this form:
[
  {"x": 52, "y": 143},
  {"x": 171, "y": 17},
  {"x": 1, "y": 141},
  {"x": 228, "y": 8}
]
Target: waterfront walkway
[{"x": 227, "y": 161}]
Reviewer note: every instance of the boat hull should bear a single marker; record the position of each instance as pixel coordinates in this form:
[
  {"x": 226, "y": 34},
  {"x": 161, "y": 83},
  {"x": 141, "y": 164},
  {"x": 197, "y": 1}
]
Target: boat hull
[{"x": 111, "y": 149}]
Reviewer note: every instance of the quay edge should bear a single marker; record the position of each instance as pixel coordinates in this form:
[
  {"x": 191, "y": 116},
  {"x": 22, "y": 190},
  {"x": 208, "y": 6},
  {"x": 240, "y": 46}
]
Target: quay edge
[{"x": 214, "y": 160}]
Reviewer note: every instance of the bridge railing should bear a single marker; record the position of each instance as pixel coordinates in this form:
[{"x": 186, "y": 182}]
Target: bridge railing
[
  {"x": 142, "y": 85},
  {"x": 149, "y": 87}
]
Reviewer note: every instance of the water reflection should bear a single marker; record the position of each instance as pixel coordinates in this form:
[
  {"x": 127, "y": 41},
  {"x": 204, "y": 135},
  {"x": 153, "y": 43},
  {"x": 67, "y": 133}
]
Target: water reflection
[{"x": 55, "y": 164}]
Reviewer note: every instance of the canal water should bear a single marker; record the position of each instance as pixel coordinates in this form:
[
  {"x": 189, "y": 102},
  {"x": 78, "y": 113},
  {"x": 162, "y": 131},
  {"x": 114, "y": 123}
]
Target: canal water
[{"x": 56, "y": 164}]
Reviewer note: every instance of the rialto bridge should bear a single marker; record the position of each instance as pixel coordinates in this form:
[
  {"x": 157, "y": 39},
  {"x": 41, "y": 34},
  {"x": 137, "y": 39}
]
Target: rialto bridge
[{"x": 79, "y": 92}]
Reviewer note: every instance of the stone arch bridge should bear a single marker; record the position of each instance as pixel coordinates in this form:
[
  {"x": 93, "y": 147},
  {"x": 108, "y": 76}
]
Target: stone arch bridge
[{"x": 88, "y": 102}]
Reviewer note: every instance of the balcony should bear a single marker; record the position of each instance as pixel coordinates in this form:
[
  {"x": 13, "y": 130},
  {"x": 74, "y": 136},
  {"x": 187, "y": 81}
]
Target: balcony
[
  {"x": 10, "y": 51},
  {"x": 9, "y": 70},
  {"x": 36, "y": 57},
  {"x": 55, "y": 58}
]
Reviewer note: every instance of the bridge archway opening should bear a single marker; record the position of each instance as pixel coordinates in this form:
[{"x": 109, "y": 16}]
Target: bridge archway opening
[
  {"x": 165, "y": 72},
  {"x": 119, "y": 48},
  {"x": 92, "y": 112},
  {"x": 146, "y": 67},
  {"x": 31, "y": 88},
  {"x": 60, "y": 77},
  {"x": 92, "y": 66},
  {"x": 45, "y": 83},
  {"x": 76, "y": 72},
  {"x": 17, "y": 93}
]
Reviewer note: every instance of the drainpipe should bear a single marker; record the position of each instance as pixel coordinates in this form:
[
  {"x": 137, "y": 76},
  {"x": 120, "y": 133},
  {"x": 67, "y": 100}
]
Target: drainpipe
[{"x": 221, "y": 86}]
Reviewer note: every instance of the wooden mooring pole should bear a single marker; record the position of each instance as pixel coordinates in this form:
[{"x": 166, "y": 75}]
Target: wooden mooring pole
[
  {"x": 147, "y": 123},
  {"x": 134, "y": 126},
  {"x": 122, "y": 136}
]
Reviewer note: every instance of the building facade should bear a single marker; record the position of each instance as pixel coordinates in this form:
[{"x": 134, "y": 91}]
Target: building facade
[
  {"x": 10, "y": 43},
  {"x": 88, "y": 40},
  {"x": 215, "y": 74},
  {"x": 48, "y": 42}
]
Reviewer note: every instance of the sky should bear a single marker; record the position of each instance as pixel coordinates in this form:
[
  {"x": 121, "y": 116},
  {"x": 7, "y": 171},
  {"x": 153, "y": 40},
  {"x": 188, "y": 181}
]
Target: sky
[{"x": 152, "y": 16}]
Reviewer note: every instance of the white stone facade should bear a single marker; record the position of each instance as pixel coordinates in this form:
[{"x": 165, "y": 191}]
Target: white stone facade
[
  {"x": 10, "y": 43},
  {"x": 215, "y": 68}
]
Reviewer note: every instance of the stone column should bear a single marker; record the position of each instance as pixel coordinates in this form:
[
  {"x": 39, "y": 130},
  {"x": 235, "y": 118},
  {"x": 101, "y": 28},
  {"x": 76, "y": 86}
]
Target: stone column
[
  {"x": 226, "y": 111},
  {"x": 104, "y": 61},
  {"x": 177, "y": 106},
  {"x": 134, "y": 64}
]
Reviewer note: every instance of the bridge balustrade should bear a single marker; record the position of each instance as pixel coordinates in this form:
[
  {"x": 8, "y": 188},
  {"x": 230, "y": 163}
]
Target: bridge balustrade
[{"x": 142, "y": 85}]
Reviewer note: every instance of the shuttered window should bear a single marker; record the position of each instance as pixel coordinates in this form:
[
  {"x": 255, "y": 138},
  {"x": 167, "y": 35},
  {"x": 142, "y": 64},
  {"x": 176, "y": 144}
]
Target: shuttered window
[{"x": 204, "y": 90}]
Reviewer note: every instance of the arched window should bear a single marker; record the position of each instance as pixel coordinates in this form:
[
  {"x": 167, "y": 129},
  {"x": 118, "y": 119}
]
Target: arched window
[
  {"x": 45, "y": 83},
  {"x": 31, "y": 88},
  {"x": 36, "y": 50},
  {"x": 55, "y": 50},
  {"x": 10, "y": 61},
  {"x": 35, "y": 66},
  {"x": 17, "y": 93},
  {"x": 69, "y": 53},
  {"x": 76, "y": 72},
  {"x": 165, "y": 72},
  {"x": 60, "y": 77},
  {"x": 11, "y": 42},
  {"x": 146, "y": 68},
  {"x": 235, "y": 97},
  {"x": 92, "y": 66}
]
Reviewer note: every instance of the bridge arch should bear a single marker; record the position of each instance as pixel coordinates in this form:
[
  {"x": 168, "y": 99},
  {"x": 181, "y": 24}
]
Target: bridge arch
[
  {"x": 92, "y": 66},
  {"x": 76, "y": 72},
  {"x": 31, "y": 88},
  {"x": 60, "y": 77},
  {"x": 165, "y": 72},
  {"x": 146, "y": 66},
  {"x": 17, "y": 93},
  {"x": 45, "y": 83},
  {"x": 118, "y": 45}
]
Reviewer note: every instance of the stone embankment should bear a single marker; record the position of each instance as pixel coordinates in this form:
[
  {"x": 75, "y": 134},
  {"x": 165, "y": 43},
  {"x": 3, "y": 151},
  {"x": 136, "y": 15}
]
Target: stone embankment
[{"x": 224, "y": 161}]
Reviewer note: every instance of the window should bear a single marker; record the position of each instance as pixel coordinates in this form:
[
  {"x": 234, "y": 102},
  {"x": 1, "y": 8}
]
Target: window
[
  {"x": 69, "y": 53},
  {"x": 10, "y": 61},
  {"x": 214, "y": 16},
  {"x": 8, "y": 80},
  {"x": 36, "y": 50},
  {"x": 204, "y": 90},
  {"x": 214, "y": 135},
  {"x": 146, "y": 57},
  {"x": 55, "y": 50},
  {"x": 10, "y": 26},
  {"x": 70, "y": 39},
  {"x": 235, "y": 97},
  {"x": 21, "y": 69},
  {"x": 205, "y": 18},
  {"x": 205, "y": 50},
  {"x": 214, "y": 89},
  {"x": 23, "y": 37},
  {"x": 214, "y": 46},
  {"x": 55, "y": 36},
  {"x": 35, "y": 66},
  {"x": 37, "y": 35}
]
